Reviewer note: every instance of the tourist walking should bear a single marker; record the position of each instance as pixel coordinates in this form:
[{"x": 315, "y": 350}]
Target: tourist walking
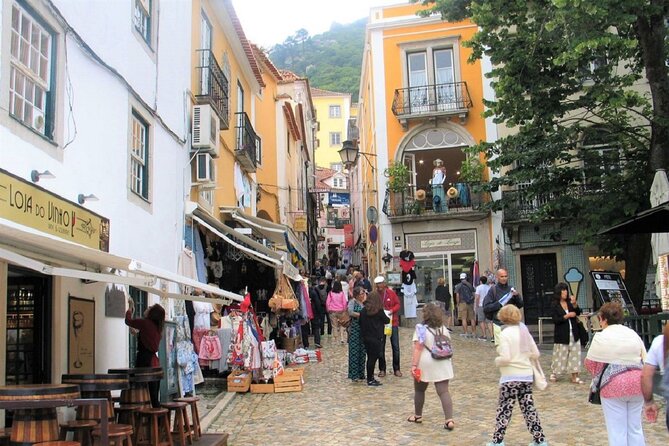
[
  {"x": 442, "y": 295},
  {"x": 318, "y": 307},
  {"x": 391, "y": 304},
  {"x": 515, "y": 351},
  {"x": 615, "y": 361},
  {"x": 464, "y": 297},
  {"x": 426, "y": 369},
  {"x": 372, "y": 319},
  {"x": 499, "y": 295},
  {"x": 480, "y": 294},
  {"x": 337, "y": 306},
  {"x": 356, "y": 349},
  {"x": 566, "y": 343},
  {"x": 657, "y": 359}
]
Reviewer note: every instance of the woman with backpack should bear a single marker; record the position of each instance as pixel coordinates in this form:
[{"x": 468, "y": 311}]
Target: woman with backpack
[{"x": 431, "y": 362}]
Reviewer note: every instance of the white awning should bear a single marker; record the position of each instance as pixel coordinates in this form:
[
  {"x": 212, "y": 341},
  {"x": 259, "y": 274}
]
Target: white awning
[
  {"x": 275, "y": 232},
  {"x": 50, "y": 255}
]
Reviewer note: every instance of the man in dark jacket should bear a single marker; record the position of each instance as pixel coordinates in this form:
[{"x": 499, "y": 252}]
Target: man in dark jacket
[
  {"x": 499, "y": 295},
  {"x": 318, "y": 309}
]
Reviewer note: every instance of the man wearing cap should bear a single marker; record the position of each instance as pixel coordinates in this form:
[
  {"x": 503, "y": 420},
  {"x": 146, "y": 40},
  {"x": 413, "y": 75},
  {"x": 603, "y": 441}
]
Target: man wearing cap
[
  {"x": 464, "y": 297},
  {"x": 391, "y": 304}
]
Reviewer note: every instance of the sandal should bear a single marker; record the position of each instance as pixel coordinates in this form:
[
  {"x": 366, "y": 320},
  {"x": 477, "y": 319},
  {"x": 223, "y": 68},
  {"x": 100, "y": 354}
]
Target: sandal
[
  {"x": 577, "y": 381},
  {"x": 552, "y": 378},
  {"x": 449, "y": 425},
  {"x": 415, "y": 419}
]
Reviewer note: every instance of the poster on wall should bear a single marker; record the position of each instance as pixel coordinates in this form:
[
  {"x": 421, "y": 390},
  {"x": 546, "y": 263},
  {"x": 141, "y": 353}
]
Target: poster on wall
[
  {"x": 81, "y": 336},
  {"x": 610, "y": 287}
]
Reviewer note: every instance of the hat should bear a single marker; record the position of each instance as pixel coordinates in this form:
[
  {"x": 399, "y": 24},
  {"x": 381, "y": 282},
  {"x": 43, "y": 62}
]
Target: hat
[
  {"x": 463, "y": 276},
  {"x": 379, "y": 279},
  {"x": 420, "y": 195},
  {"x": 437, "y": 161},
  {"x": 452, "y": 192}
]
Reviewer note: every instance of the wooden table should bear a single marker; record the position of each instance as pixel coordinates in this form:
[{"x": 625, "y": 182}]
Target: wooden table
[
  {"x": 36, "y": 424},
  {"x": 138, "y": 378},
  {"x": 97, "y": 386}
]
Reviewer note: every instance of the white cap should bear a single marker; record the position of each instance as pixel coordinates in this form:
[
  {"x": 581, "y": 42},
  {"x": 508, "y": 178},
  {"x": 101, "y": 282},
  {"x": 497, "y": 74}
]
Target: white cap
[
  {"x": 463, "y": 276},
  {"x": 379, "y": 279}
]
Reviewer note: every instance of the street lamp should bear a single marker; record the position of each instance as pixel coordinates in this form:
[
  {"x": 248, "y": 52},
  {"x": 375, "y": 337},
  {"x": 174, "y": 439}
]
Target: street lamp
[{"x": 348, "y": 153}]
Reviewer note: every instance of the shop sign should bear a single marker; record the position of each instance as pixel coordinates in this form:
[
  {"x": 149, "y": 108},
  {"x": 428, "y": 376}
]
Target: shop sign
[
  {"x": 30, "y": 205},
  {"x": 342, "y": 199},
  {"x": 440, "y": 243},
  {"x": 348, "y": 236},
  {"x": 300, "y": 223}
]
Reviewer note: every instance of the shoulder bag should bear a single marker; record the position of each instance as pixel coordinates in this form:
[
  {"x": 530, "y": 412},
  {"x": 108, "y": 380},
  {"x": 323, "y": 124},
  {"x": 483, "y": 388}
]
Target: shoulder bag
[{"x": 594, "y": 397}]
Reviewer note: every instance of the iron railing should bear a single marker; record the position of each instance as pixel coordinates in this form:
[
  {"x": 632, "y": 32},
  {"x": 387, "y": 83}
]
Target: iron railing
[
  {"x": 213, "y": 86},
  {"x": 450, "y": 97},
  {"x": 247, "y": 140},
  {"x": 521, "y": 205},
  {"x": 428, "y": 201}
]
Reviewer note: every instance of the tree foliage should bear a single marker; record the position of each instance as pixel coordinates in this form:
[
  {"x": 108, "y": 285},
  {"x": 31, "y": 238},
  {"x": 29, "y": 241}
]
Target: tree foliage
[
  {"x": 583, "y": 85},
  {"x": 332, "y": 60}
]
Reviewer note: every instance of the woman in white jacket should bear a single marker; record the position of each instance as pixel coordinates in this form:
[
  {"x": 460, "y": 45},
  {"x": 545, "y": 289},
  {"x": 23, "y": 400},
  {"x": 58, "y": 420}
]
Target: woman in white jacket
[{"x": 516, "y": 348}]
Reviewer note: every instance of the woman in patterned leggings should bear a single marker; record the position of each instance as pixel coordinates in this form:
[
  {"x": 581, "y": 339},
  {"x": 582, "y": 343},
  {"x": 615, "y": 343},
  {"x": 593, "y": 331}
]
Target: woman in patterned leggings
[{"x": 516, "y": 348}]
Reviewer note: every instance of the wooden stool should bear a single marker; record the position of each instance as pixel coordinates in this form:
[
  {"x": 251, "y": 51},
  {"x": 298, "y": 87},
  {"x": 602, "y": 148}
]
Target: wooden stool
[
  {"x": 5, "y": 433},
  {"x": 194, "y": 415},
  {"x": 58, "y": 443},
  {"x": 153, "y": 417},
  {"x": 81, "y": 431},
  {"x": 116, "y": 435},
  {"x": 181, "y": 426},
  {"x": 127, "y": 414}
]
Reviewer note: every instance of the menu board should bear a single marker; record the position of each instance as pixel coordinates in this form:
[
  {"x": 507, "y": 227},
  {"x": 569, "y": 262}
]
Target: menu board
[
  {"x": 611, "y": 287},
  {"x": 663, "y": 271}
]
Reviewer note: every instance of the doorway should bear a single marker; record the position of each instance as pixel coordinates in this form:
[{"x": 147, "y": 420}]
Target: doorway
[
  {"x": 539, "y": 277},
  {"x": 29, "y": 308}
]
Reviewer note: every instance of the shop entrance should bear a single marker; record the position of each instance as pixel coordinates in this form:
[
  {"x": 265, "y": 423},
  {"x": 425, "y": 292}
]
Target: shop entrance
[
  {"x": 449, "y": 266},
  {"x": 29, "y": 309},
  {"x": 539, "y": 277}
]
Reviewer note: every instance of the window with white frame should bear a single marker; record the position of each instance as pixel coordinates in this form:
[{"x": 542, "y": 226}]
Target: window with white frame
[
  {"x": 336, "y": 167},
  {"x": 335, "y": 111},
  {"x": 142, "y": 19},
  {"x": 139, "y": 156},
  {"x": 602, "y": 158},
  {"x": 335, "y": 138},
  {"x": 31, "y": 71}
]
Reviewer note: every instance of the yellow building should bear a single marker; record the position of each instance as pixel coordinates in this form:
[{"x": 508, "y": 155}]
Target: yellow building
[
  {"x": 333, "y": 110},
  {"x": 420, "y": 106}
]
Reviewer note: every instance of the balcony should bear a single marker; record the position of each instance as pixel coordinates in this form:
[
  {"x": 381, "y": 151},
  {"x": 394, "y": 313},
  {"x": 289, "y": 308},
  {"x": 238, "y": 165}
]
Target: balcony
[
  {"x": 419, "y": 203},
  {"x": 520, "y": 205},
  {"x": 213, "y": 86},
  {"x": 246, "y": 143},
  {"x": 448, "y": 99}
]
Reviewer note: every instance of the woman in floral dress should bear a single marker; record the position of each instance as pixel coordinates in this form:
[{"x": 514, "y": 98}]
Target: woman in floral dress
[{"x": 356, "y": 349}]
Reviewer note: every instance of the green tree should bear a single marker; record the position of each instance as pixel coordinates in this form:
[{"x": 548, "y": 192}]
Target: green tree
[{"x": 587, "y": 140}]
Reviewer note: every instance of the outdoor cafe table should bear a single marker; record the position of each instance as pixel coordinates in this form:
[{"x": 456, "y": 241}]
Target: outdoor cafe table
[
  {"x": 97, "y": 386},
  {"x": 139, "y": 379}
]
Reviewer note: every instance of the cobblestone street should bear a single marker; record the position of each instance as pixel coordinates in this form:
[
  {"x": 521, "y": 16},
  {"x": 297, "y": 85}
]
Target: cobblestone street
[{"x": 333, "y": 411}]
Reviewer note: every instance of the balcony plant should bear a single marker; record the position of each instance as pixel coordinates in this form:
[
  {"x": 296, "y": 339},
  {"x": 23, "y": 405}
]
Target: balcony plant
[
  {"x": 398, "y": 180},
  {"x": 471, "y": 170}
]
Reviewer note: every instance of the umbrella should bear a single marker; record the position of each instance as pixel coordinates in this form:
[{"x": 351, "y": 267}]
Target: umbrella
[{"x": 659, "y": 193}]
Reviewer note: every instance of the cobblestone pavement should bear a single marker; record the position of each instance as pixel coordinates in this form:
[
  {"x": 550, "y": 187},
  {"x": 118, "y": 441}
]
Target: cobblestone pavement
[{"x": 331, "y": 410}]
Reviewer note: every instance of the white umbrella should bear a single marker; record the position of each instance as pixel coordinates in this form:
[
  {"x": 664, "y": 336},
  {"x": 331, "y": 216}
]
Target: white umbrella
[{"x": 659, "y": 193}]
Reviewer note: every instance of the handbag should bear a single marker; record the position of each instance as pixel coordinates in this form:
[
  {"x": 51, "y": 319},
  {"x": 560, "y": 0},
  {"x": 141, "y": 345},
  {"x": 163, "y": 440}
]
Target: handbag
[
  {"x": 283, "y": 297},
  {"x": 583, "y": 334},
  {"x": 344, "y": 319},
  {"x": 595, "y": 397},
  {"x": 539, "y": 379}
]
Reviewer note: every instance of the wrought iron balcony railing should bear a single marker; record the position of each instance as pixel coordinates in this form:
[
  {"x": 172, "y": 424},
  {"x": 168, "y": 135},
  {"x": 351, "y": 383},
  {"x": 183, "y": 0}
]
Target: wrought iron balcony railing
[
  {"x": 430, "y": 202},
  {"x": 214, "y": 87},
  {"x": 521, "y": 205},
  {"x": 447, "y": 98},
  {"x": 247, "y": 141}
]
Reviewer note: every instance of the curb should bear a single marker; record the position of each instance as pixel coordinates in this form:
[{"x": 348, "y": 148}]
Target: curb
[{"x": 206, "y": 421}]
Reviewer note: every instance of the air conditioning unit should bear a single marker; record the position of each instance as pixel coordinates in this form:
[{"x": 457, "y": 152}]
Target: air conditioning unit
[
  {"x": 205, "y": 130},
  {"x": 205, "y": 169}
]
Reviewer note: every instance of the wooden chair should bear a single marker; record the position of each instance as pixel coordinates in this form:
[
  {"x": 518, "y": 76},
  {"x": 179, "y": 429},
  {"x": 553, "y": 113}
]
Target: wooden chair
[
  {"x": 158, "y": 423},
  {"x": 194, "y": 415},
  {"x": 81, "y": 431},
  {"x": 181, "y": 427}
]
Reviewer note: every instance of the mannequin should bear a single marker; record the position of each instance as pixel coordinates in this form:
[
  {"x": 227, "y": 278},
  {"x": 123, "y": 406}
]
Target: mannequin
[
  {"x": 438, "y": 179},
  {"x": 408, "y": 266}
]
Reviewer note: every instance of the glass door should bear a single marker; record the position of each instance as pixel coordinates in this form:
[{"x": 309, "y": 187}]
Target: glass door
[{"x": 418, "y": 89}]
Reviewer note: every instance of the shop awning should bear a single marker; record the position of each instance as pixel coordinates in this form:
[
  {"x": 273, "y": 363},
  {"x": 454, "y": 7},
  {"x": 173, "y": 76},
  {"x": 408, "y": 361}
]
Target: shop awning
[
  {"x": 653, "y": 220},
  {"x": 278, "y": 234},
  {"x": 53, "y": 256}
]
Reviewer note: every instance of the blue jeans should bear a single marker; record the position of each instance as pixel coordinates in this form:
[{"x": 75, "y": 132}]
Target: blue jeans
[{"x": 395, "y": 344}]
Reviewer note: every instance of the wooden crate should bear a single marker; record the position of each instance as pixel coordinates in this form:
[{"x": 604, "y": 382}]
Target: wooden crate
[
  {"x": 288, "y": 344},
  {"x": 239, "y": 381},
  {"x": 291, "y": 380},
  {"x": 262, "y": 387}
]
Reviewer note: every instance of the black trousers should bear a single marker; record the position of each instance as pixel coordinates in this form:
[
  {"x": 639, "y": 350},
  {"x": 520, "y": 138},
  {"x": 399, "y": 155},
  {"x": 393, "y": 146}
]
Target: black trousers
[{"x": 373, "y": 349}]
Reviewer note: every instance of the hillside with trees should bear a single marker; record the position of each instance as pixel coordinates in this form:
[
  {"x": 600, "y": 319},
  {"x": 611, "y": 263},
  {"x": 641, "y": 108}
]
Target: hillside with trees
[{"x": 331, "y": 60}]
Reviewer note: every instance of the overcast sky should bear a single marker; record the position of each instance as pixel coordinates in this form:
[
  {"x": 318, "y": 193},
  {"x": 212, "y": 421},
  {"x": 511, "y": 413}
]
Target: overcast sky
[{"x": 268, "y": 22}]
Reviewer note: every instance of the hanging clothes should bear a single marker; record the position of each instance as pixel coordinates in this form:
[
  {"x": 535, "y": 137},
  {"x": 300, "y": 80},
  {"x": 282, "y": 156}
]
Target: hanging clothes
[{"x": 410, "y": 300}]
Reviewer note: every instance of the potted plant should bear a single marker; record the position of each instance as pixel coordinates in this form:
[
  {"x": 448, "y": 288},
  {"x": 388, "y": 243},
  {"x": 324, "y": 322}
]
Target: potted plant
[
  {"x": 471, "y": 170},
  {"x": 398, "y": 180}
]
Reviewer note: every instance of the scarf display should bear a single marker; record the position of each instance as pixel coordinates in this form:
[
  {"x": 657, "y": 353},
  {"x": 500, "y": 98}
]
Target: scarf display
[{"x": 617, "y": 344}]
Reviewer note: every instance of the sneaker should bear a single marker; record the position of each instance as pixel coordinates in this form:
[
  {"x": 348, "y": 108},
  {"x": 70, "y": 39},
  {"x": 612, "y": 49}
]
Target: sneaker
[
  {"x": 481, "y": 338},
  {"x": 318, "y": 346},
  {"x": 374, "y": 383},
  {"x": 464, "y": 335}
]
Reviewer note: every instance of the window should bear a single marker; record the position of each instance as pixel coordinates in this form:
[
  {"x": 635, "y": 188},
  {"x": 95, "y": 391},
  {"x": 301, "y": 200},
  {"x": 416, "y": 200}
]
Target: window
[
  {"x": 335, "y": 138},
  {"x": 431, "y": 68},
  {"x": 142, "y": 19},
  {"x": 336, "y": 167},
  {"x": 335, "y": 111},
  {"x": 31, "y": 72},
  {"x": 141, "y": 304},
  {"x": 602, "y": 158},
  {"x": 139, "y": 157}
]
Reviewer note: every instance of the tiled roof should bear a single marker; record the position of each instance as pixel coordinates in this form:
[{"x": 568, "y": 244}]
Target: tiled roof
[
  {"x": 289, "y": 76},
  {"x": 262, "y": 57},
  {"x": 244, "y": 41},
  {"x": 322, "y": 174},
  {"x": 320, "y": 92}
]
